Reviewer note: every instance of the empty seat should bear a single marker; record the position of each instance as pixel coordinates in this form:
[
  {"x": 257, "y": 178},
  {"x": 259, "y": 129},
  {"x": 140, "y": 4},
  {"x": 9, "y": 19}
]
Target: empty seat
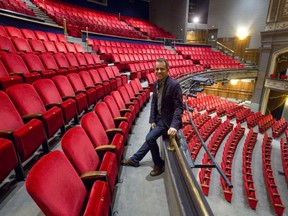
[
  {"x": 21, "y": 45},
  {"x": 66, "y": 91},
  {"x": 62, "y": 62},
  {"x": 6, "y": 80},
  {"x": 73, "y": 61},
  {"x": 14, "y": 32},
  {"x": 70, "y": 47},
  {"x": 60, "y": 47},
  {"x": 128, "y": 100},
  {"x": 102, "y": 140},
  {"x": 79, "y": 48},
  {"x": 88, "y": 83},
  {"x": 117, "y": 74},
  {"x": 33, "y": 107},
  {"x": 28, "y": 34},
  {"x": 49, "y": 46},
  {"x": 82, "y": 61},
  {"x": 6, "y": 45},
  {"x": 3, "y": 32},
  {"x": 9, "y": 160},
  {"x": 112, "y": 76},
  {"x": 50, "y": 64},
  {"x": 51, "y": 97},
  {"x": 40, "y": 35},
  {"x": 54, "y": 172},
  {"x": 37, "y": 46},
  {"x": 98, "y": 80},
  {"x": 108, "y": 122},
  {"x": 27, "y": 137},
  {"x": 81, "y": 153},
  {"x": 61, "y": 38},
  {"x": 52, "y": 36},
  {"x": 137, "y": 91},
  {"x": 78, "y": 87},
  {"x": 15, "y": 65},
  {"x": 115, "y": 111},
  {"x": 105, "y": 78},
  {"x": 34, "y": 64}
]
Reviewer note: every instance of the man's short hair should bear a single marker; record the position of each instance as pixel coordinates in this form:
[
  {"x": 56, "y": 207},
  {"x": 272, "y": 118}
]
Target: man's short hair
[{"x": 163, "y": 60}]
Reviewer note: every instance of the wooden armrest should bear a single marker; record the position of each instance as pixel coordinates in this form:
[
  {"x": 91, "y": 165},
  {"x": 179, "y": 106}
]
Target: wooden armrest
[
  {"x": 68, "y": 97},
  {"x": 112, "y": 131},
  {"x": 8, "y": 134},
  {"x": 16, "y": 73},
  {"x": 105, "y": 148},
  {"x": 30, "y": 116},
  {"x": 89, "y": 87},
  {"x": 49, "y": 106},
  {"x": 129, "y": 103},
  {"x": 90, "y": 177},
  {"x": 123, "y": 111},
  {"x": 120, "y": 118}
]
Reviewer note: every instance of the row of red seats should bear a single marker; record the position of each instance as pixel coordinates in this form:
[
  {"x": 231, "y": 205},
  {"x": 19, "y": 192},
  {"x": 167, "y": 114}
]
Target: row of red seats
[
  {"x": 230, "y": 113},
  {"x": 205, "y": 131},
  {"x": 248, "y": 181},
  {"x": 253, "y": 119},
  {"x": 222, "y": 107},
  {"x": 242, "y": 115},
  {"x": 284, "y": 156},
  {"x": 271, "y": 185},
  {"x": 227, "y": 158},
  {"x": 17, "y": 6},
  {"x": 98, "y": 170},
  {"x": 14, "y": 32},
  {"x": 279, "y": 127},
  {"x": 27, "y": 68},
  {"x": 265, "y": 122},
  {"x": 213, "y": 146},
  {"x": 35, "y": 46}
]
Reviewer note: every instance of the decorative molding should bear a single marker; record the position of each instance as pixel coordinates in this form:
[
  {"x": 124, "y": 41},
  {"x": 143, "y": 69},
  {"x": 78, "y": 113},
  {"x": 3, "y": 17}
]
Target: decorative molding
[
  {"x": 275, "y": 84},
  {"x": 276, "y": 26}
]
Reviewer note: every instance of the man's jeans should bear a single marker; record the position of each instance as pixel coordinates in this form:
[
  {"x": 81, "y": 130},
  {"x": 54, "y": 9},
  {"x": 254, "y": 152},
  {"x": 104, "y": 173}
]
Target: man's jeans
[{"x": 151, "y": 144}]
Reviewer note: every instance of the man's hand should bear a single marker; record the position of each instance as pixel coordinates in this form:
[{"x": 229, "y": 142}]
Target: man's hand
[
  {"x": 172, "y": 131},
  {"x": 152, "y": 125}
]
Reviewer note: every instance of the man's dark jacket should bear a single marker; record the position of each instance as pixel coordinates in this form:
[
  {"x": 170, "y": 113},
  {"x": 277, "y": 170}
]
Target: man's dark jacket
[{"x": 171, "y": 106}]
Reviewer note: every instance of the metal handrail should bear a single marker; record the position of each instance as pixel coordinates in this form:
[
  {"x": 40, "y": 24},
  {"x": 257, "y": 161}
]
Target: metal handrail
[
  {"x": 174, "y": 147},
  {"x": 222, "y": 45}
]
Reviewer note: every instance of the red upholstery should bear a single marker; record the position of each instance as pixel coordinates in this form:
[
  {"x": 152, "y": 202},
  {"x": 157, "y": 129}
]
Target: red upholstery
[
  {"x": 66, "y": 91},
  {"x": 78, "y": 86},
  {"x": 117, "y": 74},
  {"x": 82, "y": 61},
  {"x": 79, "y": 48},
  {"x": 14, "y": 32},
  {"x": 49, "y": 46},
  {"x": 33, "y": 106},
  {"x": 122, "y": 105},
  {"x": 28, "y": 137},
  {"x": 73, "y": 61},
  {"x": 52, "y": 36},
  {"x": 112, "y": 76},
  {"x": 34, "y": 64},
  {"x": 50, "y": 64},
  {"x": 40, "y": 35},
  {"x": 108, "y": 122},
  {"x": 70, "y": 47},
  {"x": 115, "y": 111},
  {"x": 81, "y": 153},
  {"x": 105, "y": 78},
  {"x": 6, "y": 45},
  {"x": 6, "y": 80},
  {"x": 16, "y": 65},
  {"x": 51, "y": 97},
  {"x": 63, "y": 63},
  {"x": 37, "y": 46},
  {"x": 3, "y": 32},
  {"x": 98, "y": 80},
  {"x": 21, "y": 45},
  {"x": 141, "y": 88},
  {"x": 8, "y": 158},
  {"x": 100, "y": 140},
  {"x": 137, "y": 92},
  {"x": 88, "y": 83},
  {"x": 53, "y": 174},
  {"x": 128, "y": 100}
]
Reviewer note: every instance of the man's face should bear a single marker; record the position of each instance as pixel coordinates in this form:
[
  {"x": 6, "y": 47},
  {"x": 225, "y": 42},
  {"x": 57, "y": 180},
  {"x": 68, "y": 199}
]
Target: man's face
[{"x": 161, "y": 70}]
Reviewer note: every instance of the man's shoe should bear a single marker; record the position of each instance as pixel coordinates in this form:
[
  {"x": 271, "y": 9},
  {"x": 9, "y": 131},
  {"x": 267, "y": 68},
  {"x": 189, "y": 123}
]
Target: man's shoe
[
  {"x": 157, "y": 171},
  {"x": 129, "y": 162}
]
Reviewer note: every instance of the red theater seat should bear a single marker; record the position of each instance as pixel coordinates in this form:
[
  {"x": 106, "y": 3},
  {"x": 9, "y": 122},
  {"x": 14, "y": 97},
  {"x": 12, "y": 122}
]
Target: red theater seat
[
  {"x": 29, "y": 105},
  {"x": 15, "y": 65},
  {"x": 40, "y": 35},
  {"x": 50, "y": 64},
  {"x": 6, "y": 45},
  {"x": 50, "y": 47},
  {"x": 54, "y": 172},
  {"x": 98, "y": 80},
  {"x": 27, "y": 137},
  {"x": 81, "y": 153},
  {"x": 62, "y": 62},
  {"x": 28, "y": 34},
  {"x": 66, "y": 91},
  {"x": 51, "y": 97},
  {"x": 6, "y": 80},
  {"x": 37, "y": 46},
  {"x": 13, "y": 32},
  {"x": 103, "y": 140}
]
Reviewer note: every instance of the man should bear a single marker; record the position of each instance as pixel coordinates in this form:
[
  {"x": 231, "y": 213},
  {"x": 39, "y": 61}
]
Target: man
[{"x": 165, "y": 117}]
